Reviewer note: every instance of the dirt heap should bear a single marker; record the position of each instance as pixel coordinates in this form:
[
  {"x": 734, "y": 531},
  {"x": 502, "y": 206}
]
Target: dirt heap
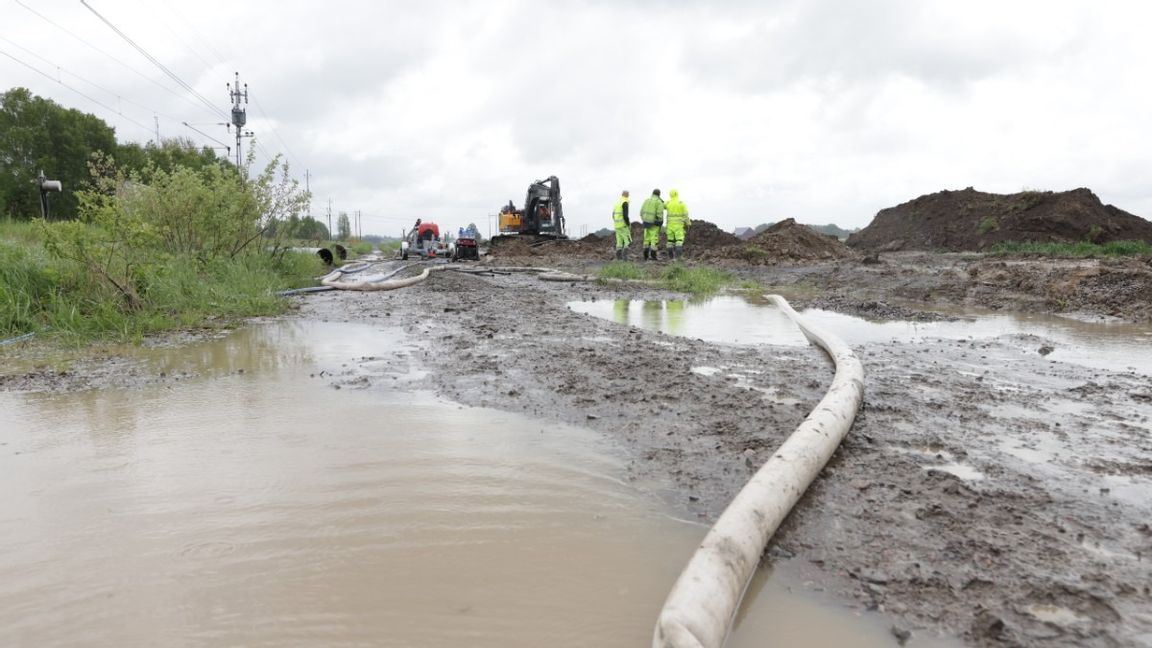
[
  {"x": 971, "y": 220},
  {"x": 784, "y": 241},
  {"x": 590, "y": 246},
  {"x": 703, "y": 235}
]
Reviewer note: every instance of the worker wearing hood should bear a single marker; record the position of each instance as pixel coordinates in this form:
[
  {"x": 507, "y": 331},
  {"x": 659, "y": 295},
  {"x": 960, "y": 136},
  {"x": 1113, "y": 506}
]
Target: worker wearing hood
[{"x": 678, "y": 223}]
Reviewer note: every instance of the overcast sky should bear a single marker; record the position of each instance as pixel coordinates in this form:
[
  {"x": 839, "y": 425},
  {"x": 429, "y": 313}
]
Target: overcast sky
[{"x": 822, "y": 110}]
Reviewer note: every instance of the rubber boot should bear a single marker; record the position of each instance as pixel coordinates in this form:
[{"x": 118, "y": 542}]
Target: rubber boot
[{"x": 619, "y": 254}]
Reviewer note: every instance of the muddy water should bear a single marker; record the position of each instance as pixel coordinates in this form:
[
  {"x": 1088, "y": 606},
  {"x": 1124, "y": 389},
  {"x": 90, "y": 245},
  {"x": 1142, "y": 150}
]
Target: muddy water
[
  {"x": 740, "y": 320},
  {"x": 244, "y": 500}
]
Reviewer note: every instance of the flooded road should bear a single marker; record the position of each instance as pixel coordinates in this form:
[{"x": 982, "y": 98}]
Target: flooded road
[
  {"x": 753, "y": 320},
  {"x": 242, "y": 500}
]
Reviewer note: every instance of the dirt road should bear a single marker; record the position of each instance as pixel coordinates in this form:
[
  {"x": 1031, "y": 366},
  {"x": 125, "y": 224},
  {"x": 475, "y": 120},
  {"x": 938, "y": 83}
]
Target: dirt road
[{"x": 985, "y": 491}]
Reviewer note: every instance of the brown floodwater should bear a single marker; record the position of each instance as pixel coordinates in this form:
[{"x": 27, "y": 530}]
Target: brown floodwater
[
  {"x": 244, "y": 501},
  {"x": 753, "y": 320}
]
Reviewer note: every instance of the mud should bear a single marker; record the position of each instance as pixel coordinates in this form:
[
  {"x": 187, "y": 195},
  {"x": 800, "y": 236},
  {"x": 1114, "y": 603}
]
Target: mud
[
  {"x": 784, "y": 241},
  {"x": 986, "y": 492},
  {"x": 975, "y": 220}
]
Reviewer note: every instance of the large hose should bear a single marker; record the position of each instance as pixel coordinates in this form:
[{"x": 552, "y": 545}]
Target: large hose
[
  {"x": 333, "y": 281},
  {"x": 18, "y": 338},
  {"x": 704, "y": 600}
]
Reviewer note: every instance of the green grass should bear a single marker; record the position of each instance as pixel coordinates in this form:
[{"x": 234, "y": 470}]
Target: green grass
[
  {"x": 680, "y": 278},
  {"x": 1082, "y": 249},
  {"x": 623, "y": 270},
  {"x": 41, "y": 293},
  {"x": 697, "y": 281}
]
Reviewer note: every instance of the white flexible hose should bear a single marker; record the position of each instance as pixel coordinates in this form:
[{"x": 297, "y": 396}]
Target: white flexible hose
[
  {"x": 331, "y": 280},
  {"x": 704, "y": 600}
]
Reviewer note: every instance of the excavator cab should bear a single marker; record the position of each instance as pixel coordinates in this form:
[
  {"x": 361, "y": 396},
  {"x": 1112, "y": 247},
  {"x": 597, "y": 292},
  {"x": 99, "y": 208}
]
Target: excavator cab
[{"x": 542, "y": 215}]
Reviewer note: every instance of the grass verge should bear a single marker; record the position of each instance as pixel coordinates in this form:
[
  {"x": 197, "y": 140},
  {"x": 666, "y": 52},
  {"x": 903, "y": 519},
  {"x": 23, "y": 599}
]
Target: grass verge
[
  {"x": 43, "y": 293},
  {"x": 680, "y": 278},
  {"x": 1074, "y": 250}
]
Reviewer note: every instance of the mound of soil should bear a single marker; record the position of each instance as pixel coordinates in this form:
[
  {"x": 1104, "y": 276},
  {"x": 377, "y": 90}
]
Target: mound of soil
[
  {"x": 971, "y": 220},
  {"x": 703, "y": 235},
  {"x": 784, "y": 241},
  {"x": 590, "y": 246}
]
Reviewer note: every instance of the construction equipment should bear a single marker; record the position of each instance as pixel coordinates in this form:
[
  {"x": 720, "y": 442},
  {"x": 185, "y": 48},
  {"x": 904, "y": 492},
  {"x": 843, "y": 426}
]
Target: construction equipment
[
  {"x": 424, "y": 240},
  {"x": 467, "y": 247},
  {"x": 542, "y": 215}
]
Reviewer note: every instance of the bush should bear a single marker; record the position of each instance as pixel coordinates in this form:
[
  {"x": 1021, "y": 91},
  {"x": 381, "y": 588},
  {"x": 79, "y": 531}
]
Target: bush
[{"x": 154, "y": 251}]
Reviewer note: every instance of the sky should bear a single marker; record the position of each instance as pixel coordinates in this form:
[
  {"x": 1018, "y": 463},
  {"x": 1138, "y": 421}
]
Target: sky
[{"x": 825, "y": 111}]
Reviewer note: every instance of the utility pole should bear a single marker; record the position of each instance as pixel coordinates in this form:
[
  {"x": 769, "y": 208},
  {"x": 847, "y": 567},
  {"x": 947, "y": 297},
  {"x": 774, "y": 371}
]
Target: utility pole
[
  {"x": 329, "y": 218},
  {"x": 157, "y": 120},
  {"x": 239, "y": 115},
  {"x": 358, "y": 232},
  {"x": 308, "y": 191}
]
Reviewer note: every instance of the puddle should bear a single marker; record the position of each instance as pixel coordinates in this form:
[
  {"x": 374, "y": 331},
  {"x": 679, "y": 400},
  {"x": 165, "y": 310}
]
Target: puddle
[
  {"x": 254, "y": 504},
  {"x": 748, "y": 320},
  {"x": 1055, "y": 614},
  {"x": 944, "y": 461},
  {"x": 963, "y": 471}
]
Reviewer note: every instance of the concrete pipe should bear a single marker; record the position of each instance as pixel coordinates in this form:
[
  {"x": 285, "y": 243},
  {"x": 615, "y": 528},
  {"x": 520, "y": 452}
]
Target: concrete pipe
[{"x": 704, "y": 600}]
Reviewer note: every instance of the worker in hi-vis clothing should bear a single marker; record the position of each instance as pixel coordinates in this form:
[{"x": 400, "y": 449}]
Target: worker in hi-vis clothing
[
  {"x": 623, "y": 226},
  {"x": 678, "y": 223},
  {"x": 652, "y": 213}
]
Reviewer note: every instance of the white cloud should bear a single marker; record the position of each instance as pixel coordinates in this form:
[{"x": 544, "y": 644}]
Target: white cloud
[{"x": 820, "y": 110}]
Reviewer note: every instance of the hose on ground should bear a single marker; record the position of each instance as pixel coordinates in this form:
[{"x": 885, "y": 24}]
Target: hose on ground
[
  {"x": 706, "y": 596},
  {"x": 18, "y": 338},
  {"x": 333, "y": 281}
]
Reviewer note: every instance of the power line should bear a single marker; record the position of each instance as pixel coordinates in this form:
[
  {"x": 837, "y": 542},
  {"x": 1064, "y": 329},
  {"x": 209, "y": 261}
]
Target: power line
[
  {"x": 276, "y": 133},
  {"x": 95, "y": 101},
  {"x": 183, "y": 42},
  {"x": 155, "y": 62},
  {"x": 122, "y": 63},
  {"x": 208, "y": 136},
  {"x": 94, "y": 85},
  {"x": 187, "y": 23}
]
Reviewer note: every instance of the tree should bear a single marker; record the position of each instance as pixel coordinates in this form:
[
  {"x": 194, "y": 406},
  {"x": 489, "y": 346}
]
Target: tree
[
  {"x": 309, "y": 228},
  {"x": 37, "y": 134},
  {"x": 343, "y": 227},
  {"x": 170, "y": 154}
]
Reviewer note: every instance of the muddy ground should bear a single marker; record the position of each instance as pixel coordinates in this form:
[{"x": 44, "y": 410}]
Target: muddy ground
[
  {"x": 975, "y": 220},
  {"x": 1045, "y": 550}
]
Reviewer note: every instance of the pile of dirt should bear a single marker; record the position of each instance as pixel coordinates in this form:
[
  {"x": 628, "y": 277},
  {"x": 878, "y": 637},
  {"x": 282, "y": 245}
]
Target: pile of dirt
[
  {"x": 971, "y": 220},
  {"x": 784, "y": 241},
  {"x": 590, "y": 246},
  {"x": 703, "y": 235}
]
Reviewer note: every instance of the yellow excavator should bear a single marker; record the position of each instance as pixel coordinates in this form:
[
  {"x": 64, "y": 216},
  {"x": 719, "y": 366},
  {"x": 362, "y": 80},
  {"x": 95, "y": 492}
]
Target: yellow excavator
[{"x": 542, "y": 216}]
